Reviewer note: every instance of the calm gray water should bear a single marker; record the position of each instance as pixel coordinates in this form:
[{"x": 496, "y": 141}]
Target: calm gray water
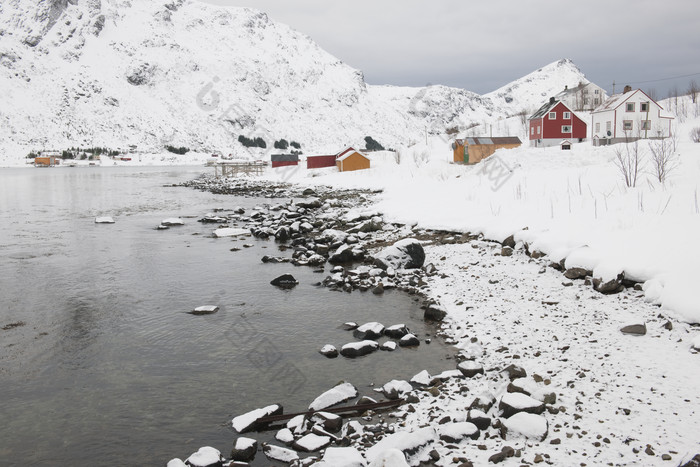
[{"x": 109, "y": 369}]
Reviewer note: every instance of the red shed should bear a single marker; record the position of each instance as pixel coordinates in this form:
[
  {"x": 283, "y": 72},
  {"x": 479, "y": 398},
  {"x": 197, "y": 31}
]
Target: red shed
[
  {"x": 283, "y": 160},
  {"x": 553, "y": 123},
  {"x": 319, "y": 162}
]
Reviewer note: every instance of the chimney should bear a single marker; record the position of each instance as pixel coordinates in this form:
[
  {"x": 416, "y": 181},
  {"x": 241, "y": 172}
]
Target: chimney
[
  {"x": 627, "y": 89},
  {"x": 551, "y": 100},
  {"x": 566, "y": 87}
]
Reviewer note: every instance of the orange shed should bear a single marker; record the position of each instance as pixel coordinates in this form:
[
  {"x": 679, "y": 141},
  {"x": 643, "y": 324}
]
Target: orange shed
[{"x": 350, "y": 159}]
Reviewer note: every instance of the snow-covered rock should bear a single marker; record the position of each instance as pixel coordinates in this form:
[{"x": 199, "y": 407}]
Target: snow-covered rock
[
  {"x": 397, "y": 331},
  {"x": 369, "y": 331},
  {"x": 285, "y": 435},
  {"x": 358, "y": 349},
  {"x": 456, "y": 432},
  {"x": 279, "y": 453},
  {"x": 342, "y": 457},
  {"x": 104, "y": 220},
  {"x": 251, "y": 420},
  {"x": 389, "y": 346},
  {"x": 312, "y": 442},
  {"x": 205, "y": 310},
  {"x": 172, "y": 221},
  {"x": 244, "y": 449},
  {"x": 422, "y": 379},
  {"x": 390, "y": 458},
  {"x": 175, "y": 463},
  {"x": 515, "y": 402},
  {"x": 340, "y": 393},
  {"x": 470, "y": 368},
  {"x": 409, "y": 340},
  {"x": 396, "y": 389},
  {"x": 230, "y": 232},
  {"x": 329, "y": 351},
  {"x": 526, "y": 425},
  {"x": 205, "y": 457},
  {"x": 404, "y": 254},
  {"x": 411, "y": 443}
]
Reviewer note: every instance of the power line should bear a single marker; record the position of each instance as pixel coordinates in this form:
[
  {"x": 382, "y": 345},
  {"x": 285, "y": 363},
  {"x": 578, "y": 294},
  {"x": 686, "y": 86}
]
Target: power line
[{"x": 657, "y": 80}]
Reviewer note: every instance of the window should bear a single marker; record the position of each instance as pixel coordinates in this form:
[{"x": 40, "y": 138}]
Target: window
[
  {"x": 538, "y": 130},
  {"x": 567, "y": 115},
  {"x": 627, "y": 125},
  {"x": 552, "y": 115},
  {"x": 566, "y": 128},
  {"x": 532, "y": 130},
  {"x": 608, "y": 126},
  {"x": 586, "y": 101},
  {"x": 644, "y": 107},
  {"x": 646, "y": 124},
  {"x": 596, "y": 101},
  {"x": 585, "y": 91},
  {"x": 597, "y": 127},
  {"x": 630, "y": 106},
  {"x": 597, "y": 91}
]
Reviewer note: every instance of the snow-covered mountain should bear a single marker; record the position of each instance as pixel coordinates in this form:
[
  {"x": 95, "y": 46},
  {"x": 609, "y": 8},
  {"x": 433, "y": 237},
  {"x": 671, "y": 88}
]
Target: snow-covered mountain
[{"x": 179, "y": 72}]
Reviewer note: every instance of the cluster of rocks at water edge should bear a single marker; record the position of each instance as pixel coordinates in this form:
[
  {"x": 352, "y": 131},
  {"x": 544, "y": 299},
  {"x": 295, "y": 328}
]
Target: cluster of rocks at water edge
[
  {"x": 370, "y": 437},
  {"x": 367, "y": 336}
]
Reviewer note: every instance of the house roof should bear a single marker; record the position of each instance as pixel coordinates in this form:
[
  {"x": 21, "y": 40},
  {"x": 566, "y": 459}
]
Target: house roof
[
  {"x": 617, "y": 100},
  {"x": 569, "y": 91},
  {"x": 347, "y": 153},
  {"x": 492, "y": 140},
  {"x": 284, "y": 158},
  {"x": 542, "y": 111}
]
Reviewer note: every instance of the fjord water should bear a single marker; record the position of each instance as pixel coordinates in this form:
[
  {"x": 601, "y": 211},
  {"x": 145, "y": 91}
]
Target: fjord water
[{"x": 108, "y": 368}]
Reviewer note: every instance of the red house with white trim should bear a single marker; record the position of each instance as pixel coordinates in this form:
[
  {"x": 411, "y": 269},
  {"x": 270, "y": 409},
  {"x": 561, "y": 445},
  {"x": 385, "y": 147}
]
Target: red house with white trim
[{"x": 554, "y": 123}]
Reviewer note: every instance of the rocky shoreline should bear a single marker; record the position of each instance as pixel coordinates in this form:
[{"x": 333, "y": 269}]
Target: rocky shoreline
[{"x": 503, "y": 403}]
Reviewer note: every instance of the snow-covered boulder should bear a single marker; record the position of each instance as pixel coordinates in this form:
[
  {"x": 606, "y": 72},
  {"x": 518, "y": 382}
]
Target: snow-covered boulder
[
  {"x": 285, "y": 435},
  {"x": 413, "y": 444},
  {"x": 342, "y": 255},
  {"x": 395, "y": 389},
  {"x": 342, "y": 457},
  {"x": 172, "y": 221},
  {"x": 389, "y": 346},
  {"x": 230, "y": 232},
  {"x": 390, "y": 458},
  {"x": 340, "y": 393},
  {"x": 251, "y": 420},
  {"x": 696, "y": 343},
  {"x": 434, "y": 312},
  {"x": 104, "y": 220},
  {"x": 175, "y": 463},
  {"x": 514, "y": 402},
  {"x": 328, "y": 421},
  {"x": 244, "y": 449},
  {"x": 205, "y": 457},
  {"x": 358, "y": 349},
  {"x": 479, "y": 418},
  {"x": 409, "y": 340},
  {"x": 456, "y": 432},
  {"x": 329, "y": 351},
  {"x": 422, "y": 379},
  {"x": 470, "y": 368},
  {"x": 404, "y": 254},
  {"x": 205, "y": 310},
  {"x": 312, "y": 442},
  {"x": 280, "y": 454},
  {"x": 285, "y": 281},
  {"x": 333, "y": 236},
  {"x": 396, "y": 331},
  {"x": 525, "y": 425},
  {"x": 370, "y": 331}
]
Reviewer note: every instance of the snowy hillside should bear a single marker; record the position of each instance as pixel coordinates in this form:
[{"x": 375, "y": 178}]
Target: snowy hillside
[{"x": 134, "y": 72}]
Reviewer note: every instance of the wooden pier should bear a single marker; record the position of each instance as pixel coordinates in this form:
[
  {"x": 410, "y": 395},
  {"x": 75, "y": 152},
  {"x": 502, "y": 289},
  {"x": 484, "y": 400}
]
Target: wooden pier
[{"x": 236, "y": 168}]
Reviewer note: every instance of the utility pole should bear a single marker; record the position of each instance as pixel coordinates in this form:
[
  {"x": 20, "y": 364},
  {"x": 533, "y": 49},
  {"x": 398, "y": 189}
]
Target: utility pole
[{"x": 613, "y": 87}]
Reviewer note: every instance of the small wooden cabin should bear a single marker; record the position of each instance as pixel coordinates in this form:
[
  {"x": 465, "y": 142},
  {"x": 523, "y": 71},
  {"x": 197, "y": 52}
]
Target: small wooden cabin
[
  {"x": 474, "y": 150},
  {"x": 350, "y": 159},
  {"x": 46, "y": 161},
  {"x": 283, "y": 160}
]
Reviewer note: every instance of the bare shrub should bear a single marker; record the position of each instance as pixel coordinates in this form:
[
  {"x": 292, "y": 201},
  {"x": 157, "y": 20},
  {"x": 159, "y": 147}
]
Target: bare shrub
[
  {"x": 695, "y": 134},
  {"x": 628, "y": 159},
  {"x": 663, "y": 158}
]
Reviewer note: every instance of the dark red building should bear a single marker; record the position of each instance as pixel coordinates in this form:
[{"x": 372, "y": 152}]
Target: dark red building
[
  {"x": 553, "y": 123},
  {"x": 282, "y": 160},
  {"x": 319, "y": 162}
]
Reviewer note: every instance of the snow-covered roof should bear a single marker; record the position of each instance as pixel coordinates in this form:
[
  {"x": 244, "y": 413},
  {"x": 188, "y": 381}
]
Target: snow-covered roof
[
  {"x": 471, "y": 141},
  {"x": 349, "y": 152},
  {"x": 542, "y": 111}
]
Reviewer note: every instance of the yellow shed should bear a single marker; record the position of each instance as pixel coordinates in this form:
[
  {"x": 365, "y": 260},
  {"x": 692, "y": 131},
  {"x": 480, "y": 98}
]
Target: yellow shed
[
  {"x": 350, "y": 159},
  {"x": 473, "y": 150}
]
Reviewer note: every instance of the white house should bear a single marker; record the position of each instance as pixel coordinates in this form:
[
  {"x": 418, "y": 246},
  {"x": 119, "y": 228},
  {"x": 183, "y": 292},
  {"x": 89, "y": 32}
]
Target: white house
[
  {"x": 629, "y": 116},
  {"x": 585, "y": 96}
]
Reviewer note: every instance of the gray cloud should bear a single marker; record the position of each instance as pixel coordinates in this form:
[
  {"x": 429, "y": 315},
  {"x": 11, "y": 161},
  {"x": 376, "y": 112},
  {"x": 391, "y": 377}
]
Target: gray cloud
[{"x": 481, "y": 46}]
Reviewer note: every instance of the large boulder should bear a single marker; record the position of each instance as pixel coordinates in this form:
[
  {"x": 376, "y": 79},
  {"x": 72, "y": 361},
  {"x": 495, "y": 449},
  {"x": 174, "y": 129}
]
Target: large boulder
[
  {"x": 285, "y": 281},
  {"x": 372, "y": 330},
  {"x": 514, "y": 402},
  {"x": 342, "y": 255},
  {"x": 358, "y": 349},
  {"x": 525, "y": 425},
  {"x": 404, "y": 254},
  {"x": 342, "y": 457},
  {"x": 244, "y": 449},
  {"x": 413, "y": 444},
  {"x": 251, "y": 420},
  {"x": 340, "y": 393}
]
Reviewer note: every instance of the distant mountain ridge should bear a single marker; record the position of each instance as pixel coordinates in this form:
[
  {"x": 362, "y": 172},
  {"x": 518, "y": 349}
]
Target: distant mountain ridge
[{"x": 153, "y": 73}]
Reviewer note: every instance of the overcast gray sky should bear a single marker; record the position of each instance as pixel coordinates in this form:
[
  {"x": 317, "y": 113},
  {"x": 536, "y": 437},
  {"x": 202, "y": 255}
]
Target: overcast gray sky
[{"x": 482, "y": 45}]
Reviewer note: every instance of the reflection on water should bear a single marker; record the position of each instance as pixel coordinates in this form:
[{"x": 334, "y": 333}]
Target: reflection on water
[{"x": 110, "y": 368}]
